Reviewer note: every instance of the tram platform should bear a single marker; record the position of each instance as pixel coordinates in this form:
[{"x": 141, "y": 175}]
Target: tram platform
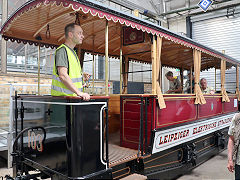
[{"x": 119, "y": 154}]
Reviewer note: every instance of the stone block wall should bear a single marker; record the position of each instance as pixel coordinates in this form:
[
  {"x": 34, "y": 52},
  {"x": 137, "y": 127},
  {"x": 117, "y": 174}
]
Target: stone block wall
[{"x": 23, "y": 85}]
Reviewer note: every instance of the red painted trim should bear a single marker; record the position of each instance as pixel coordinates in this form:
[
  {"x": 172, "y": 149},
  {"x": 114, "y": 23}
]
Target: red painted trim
[{"x": 62, "y": 97}]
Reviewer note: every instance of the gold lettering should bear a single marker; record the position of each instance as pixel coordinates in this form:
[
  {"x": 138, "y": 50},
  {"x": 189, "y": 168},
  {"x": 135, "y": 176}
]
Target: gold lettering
[
  {"x": 33, "y": 140},
  {"x": 40, "y": 145},
  {"x": 29, "y": 136}
]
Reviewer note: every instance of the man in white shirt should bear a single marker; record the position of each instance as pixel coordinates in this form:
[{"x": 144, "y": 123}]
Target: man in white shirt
[{"x": 204, "y": 87}]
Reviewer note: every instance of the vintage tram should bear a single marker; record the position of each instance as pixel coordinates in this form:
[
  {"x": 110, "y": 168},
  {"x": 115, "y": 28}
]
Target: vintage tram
[{"x": 161, "y": 136}]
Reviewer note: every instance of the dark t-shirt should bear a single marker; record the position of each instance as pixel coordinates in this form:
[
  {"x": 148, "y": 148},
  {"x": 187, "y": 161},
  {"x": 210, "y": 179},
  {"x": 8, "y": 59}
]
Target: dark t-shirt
[{"x": 61, "y": 57}]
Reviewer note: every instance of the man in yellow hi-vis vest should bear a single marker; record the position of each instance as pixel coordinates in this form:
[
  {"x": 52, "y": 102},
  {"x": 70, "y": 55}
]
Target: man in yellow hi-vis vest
[{"x": 67, "y": 74}]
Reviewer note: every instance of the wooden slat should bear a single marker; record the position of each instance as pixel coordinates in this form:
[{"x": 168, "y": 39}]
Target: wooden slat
[
  {"x": 114, "y": 113},
  {"x": 119, "y": 154}
]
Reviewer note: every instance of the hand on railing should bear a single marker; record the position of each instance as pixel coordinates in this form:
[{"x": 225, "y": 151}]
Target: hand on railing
[{"x": 85, "y": 96}]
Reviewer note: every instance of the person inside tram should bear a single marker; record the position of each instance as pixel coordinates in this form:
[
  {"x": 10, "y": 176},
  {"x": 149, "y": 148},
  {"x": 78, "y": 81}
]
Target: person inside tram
[
  {"x": 187, "y": 85},
  {"x": 174, "y": 84},
  {"x": 204, "y": 87},
  {"x": 67, "y": 74}
]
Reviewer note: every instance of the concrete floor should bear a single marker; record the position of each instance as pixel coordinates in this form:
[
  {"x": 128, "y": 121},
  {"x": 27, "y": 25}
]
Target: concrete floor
[
  {"x": 3, "y": 168},
  {"x": 213, "y": 169}
]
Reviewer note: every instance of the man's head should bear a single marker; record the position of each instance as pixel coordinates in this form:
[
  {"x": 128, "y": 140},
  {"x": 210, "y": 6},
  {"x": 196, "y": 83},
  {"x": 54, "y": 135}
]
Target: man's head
[
  {"x": 74, "y": 33},
  {"x": 169, "y": 76},
  {"x": 203, "y": 83}
]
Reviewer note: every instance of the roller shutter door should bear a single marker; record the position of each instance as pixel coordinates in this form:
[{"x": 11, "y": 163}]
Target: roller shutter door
[
  {"x": 220, "y": 34},
  {"x": 216, "y": 31}
]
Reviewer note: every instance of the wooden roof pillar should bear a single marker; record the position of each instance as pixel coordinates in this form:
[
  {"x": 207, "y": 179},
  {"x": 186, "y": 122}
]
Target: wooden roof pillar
[
  {"x": 154, "y": 65},
  {"x": 106, "y": 59},
  {"x": 3, "y": 42}
]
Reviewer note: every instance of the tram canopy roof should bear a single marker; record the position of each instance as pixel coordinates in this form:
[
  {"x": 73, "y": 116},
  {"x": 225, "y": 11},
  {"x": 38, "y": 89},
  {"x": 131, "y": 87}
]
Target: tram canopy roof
[{"x": 42, "y": 22}]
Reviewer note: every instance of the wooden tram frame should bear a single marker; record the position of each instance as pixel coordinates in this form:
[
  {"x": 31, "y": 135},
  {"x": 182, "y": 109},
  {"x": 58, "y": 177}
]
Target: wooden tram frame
[{"x": 161, "y": 47}]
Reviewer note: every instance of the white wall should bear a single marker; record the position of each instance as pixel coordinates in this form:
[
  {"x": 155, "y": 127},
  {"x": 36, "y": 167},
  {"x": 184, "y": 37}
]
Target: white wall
[{"x": 178, "y": 25}]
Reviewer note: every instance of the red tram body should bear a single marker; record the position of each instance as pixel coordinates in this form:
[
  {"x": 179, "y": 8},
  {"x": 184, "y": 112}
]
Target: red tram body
[{"x": 180, "y": 111}]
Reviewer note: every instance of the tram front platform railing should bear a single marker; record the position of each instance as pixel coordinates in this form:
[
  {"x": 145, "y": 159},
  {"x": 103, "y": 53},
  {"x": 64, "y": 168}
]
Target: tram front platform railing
[{"x": 73, "y": 147}]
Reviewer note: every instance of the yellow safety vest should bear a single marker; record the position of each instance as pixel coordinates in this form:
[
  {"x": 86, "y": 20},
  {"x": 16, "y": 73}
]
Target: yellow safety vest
[{"x": 74, "y": 71}]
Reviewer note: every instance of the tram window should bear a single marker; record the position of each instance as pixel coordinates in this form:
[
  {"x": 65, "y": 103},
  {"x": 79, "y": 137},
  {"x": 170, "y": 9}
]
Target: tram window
[
  {"x": 99, "y": 71},
  {"x": 230, "y": 80},
  {"x": 171, "y": 81},
  {"x": 147, "y": 75},
  {"x": 186, "y": 82},
  {"x": 139, "y": 72},
  {"x": 24, "y": 58},
  {"x": 114, "y": 69},
  {"x": 209, "y": 76}
]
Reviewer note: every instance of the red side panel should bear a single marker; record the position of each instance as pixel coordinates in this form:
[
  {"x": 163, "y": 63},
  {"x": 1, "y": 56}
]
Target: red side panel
[
  {"x": 130, "y": 122},
  {"x": 177, "y": 111},
  {"x": 230, "y": 106},
  {"x": 213, "y": 107}
]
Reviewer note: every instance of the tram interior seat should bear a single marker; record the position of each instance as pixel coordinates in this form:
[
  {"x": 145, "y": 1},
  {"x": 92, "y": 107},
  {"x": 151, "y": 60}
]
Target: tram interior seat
[
  {"x": 114, "y": 113},
  {"x": 218, "y": 92}
]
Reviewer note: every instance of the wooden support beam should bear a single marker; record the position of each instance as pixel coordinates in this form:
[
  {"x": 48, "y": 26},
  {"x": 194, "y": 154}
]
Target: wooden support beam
[
  {"x": 80, "y": 54},
  {"x": 191, "y": 79},
  {"x": 38, "y": 70},
  {"x": 106, "y": 59},
  {"x": 237, "y": 79},
  {"x": 93, "y": 66},
  {"x": 154, "y": 59},
  {"x": 125, "y": 75},
  {"x": 3, "y": 42},
  {"x": 116, "y": 49},
  {"x": 135, "y": 53},
  {"x": 121, "y": 60},
  {"x": 26, "y": 58},
  {"x": 215, "y": 79},
  {"x": 159, "y": 50},
  {"x": 181, "y": 76}
]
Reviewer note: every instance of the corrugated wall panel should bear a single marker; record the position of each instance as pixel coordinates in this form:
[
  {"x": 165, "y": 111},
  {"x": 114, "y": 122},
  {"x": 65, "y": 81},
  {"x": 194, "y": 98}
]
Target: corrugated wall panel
[
  {"x": 217, "y": 31},
  {"x": 220, "y": 34}
]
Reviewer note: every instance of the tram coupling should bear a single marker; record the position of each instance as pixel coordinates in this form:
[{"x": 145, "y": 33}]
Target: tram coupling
[
  {"x": 189, "y": 154},
  {"x": 220, "y": 140}
]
